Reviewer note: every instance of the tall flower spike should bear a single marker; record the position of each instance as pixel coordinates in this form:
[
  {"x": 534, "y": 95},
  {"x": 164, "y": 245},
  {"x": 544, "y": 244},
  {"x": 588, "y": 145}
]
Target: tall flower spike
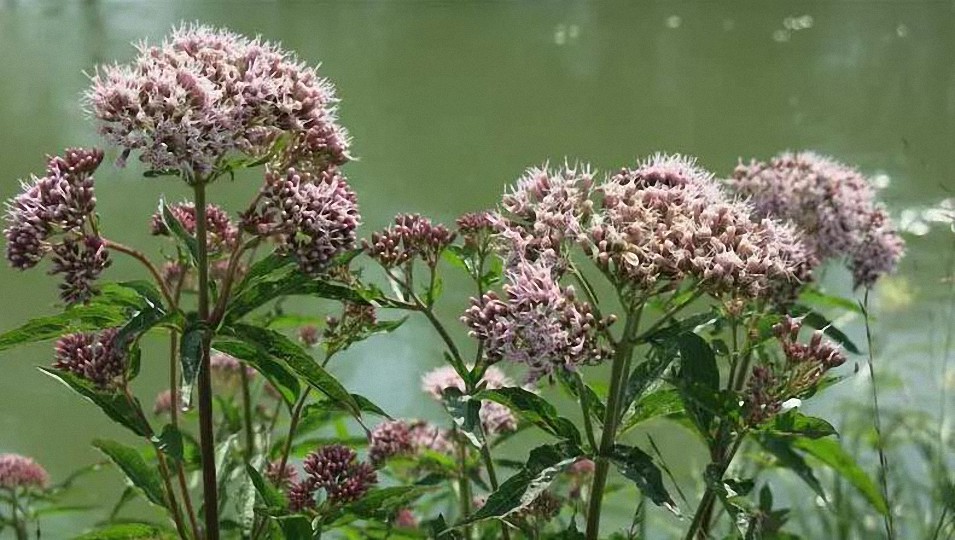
[
  {"x": 313, "y": 217},
  {"x": 538, "y": 323},
  {"x": 834, "y": 206},
  {"x": 95, "y": 357},
  {"x": 204, "y": 93},
  {"x": 18, "y": 471},
  {"x": 668, "y": 219}
]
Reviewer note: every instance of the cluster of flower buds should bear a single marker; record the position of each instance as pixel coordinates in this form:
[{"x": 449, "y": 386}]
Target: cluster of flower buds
[
  {"x": 335, "y": 469},
  {"x": 94, "y": 356},
  {"x": 806, "y": 363},
  {"x": 580, "y": 473},
  {"x": 538, "y": 323},
  {"x": 405, "y": 519},
  {"x": 427, "y": 436},
  {"x": 204, "y": 93},
  {"x": 475, "y": 228},
  {"x": 221, "y": 233},
  {"x": 55, "y": 213},
  {"x": 313, "y": 216},
  {"x": 495, "y": 418},
  {"x": 831, "y": 203},
  {"x": 668, "y": 219},
  {"x": 411, "y": 236},
  {"x": 355, "y": 322},
  {"x": 227, "y": 370},
  {"x": 280, "y": 476},
  {"x": 18, "y": 471},
  {"x": 390, "y": 439}
]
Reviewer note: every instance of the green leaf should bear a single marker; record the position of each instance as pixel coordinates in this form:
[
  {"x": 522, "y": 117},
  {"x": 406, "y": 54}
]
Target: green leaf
[
  {"x": 660, "y": 403},
  {"x": 382, "y": 503},
  {"x": 115, "y": 404},
  {"x": 465, "y": 413},
  {"x": 129, "y": 531},
  {"x": 699, "y": 378},
  {"x": 169, "y": 442},
  {"x": 259, "y": 358},
  {"x": 647, "y": 376},
  {"x": 830, "y": 452},
  {"x": 638, "y": 466},
  {"x": 543, "y": 465},
  {"x": 299, "y": 361},
  {"x": 271, "y": 496},
  {"x": 179, "y": 232},
  {"x": 781, "y": 448},
  {"x": 190, "y": 354},
  {"x": 535, "y": 409},
  {"x": 572, "y": 382},
  {"x": 815, "y": 320},
  {"x": 131, "y": 462},
  {"x": 75, "y": 319},
  {"x": 795, "y": 423},
  {"x": 295, "y": 527},
  {"x": 283, "y": 280},
  {"x": 820, "y": 298}
]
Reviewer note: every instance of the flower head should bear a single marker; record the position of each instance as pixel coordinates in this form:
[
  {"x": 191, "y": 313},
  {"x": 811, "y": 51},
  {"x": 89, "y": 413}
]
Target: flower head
[
  {"x": 204, "y": 93},
  {"x": 94, "y": 356},
  {"x": 281, "y": 476},
  {"x": 405, "y": 519},
  {"x": 668, "y": 219},
  {"x": 411, "y": 236},
  {"x": 314, "y": 217},
  {"x": 537, "y": 323},
  {"x": 831, "y": 203},
  {"x": 163, "y": 403},
  {"x": 18, "y": 471},
  {"x": 227, "y": 369},
  {"x": 53, "y": 214},
  {"x": 335, "y": 469},
  {"x": 427, "y": 436},
  {"x": 390, "y": 439}
]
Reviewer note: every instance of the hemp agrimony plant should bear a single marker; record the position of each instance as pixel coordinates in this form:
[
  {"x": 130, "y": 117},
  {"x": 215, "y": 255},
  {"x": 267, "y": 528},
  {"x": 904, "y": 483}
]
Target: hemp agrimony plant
[{"x": 656, "y": 292}]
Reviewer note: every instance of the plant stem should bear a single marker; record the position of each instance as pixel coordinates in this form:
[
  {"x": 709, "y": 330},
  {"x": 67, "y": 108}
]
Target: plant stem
[
  {"x": 617, "y": 375},
  {"x": 464, "y": 486},
  {"x": 667, "y": 315},
  {"x": 141, "y": 257},
  {"x": 19, "y": 526},
  {"x": 293, "y": 425},
  {"x": 702, "y": 514},
  {"x": 206, "y": 428},
  {"x": 883, "y": 462}
]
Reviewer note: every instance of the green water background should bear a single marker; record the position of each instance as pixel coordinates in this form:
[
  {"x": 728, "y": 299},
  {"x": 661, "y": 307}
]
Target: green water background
[{"x": 450, "y": 101}]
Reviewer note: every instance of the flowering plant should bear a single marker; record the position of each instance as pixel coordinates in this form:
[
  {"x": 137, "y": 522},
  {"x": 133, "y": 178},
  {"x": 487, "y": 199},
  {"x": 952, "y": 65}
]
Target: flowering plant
[{"x": 696, "y": 293}]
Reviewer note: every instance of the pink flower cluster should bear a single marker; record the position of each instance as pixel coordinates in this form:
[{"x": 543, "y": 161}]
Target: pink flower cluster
[
  {"x": 834, "y": 206},
  {"x": 335, "y": 469},
  {"x": 538, "y": 323},
  {"x": 495, "y": 418},
  {"x": 204, "y": 93},
  {"x": 314, "y": 217},
  {"x": 668, "y": 219},
  {"x": 221, "y": 232},
  {"x": 411, "y": 236},
  {"x": 390, "y": 439},
  {"x": 18, "y": 471},
  {"x": 94, "y": 356},
  {"x": 55, "y": 214}
]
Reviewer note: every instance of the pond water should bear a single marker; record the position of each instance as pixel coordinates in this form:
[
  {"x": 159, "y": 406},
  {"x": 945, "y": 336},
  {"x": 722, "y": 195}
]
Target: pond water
[{"x": 448, "y": 102}]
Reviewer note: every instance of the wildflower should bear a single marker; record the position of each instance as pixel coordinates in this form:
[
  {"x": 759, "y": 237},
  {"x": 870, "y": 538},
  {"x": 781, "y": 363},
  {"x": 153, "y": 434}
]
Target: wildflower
[
  {"x": 668, "y": 220},
  {"x": 227, "y": 369},
  {"x": 475, "y": 228},
  {"x": 308, "y": 335},
  {"x": 204, "y": 93},
  {"x": 495, "y": 418},
  {"x": 221, "y": 232},
  {"x": 411, "y": 236},
  {"x": 537, "y": 323},
  {"x": 280, "y": 476},
  {"x": 761, "y": 402},
  {"x": 18, "y": 471},
  {"x": 313, "y": 217},
  {"x": 390, "y": 439},
  {"x": 335, "y": 469},
  {"x": 94, "y": 356},
  {"x": 554, "y": 203},
  {"x": 54, "y": 214},
  {"x": 163, "y": 403},
  {"x": 427, "y": 436},
  {"x": 580, "y": 473},
  {"x": 405, "y": 519},
  {"x": 833, "y": 205}
]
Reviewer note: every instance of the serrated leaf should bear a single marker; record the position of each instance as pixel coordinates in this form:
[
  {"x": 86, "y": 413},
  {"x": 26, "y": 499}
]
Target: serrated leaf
[
  {"x": 169, "y": 442},
  {"x": 131, "y": 462},
  {"x": 543, "y": 465},
  {"x": 535, "y": 409},
  {"x": 647, "y": 376},
  {"x": 699, "y": 378},
  {"x": 115, "y": 404},
  {"x": 382, "y": 503},
  {"x": 465, "y": 413},
  {"x": 660, "y": 403},
  {"x": 190, "y": 355},
  {"x": 271, "y": 496},
  {"x": 638, "y": 466},
  {"x": 75, "y": 319},
  {"x": 299, "y": 361}
]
